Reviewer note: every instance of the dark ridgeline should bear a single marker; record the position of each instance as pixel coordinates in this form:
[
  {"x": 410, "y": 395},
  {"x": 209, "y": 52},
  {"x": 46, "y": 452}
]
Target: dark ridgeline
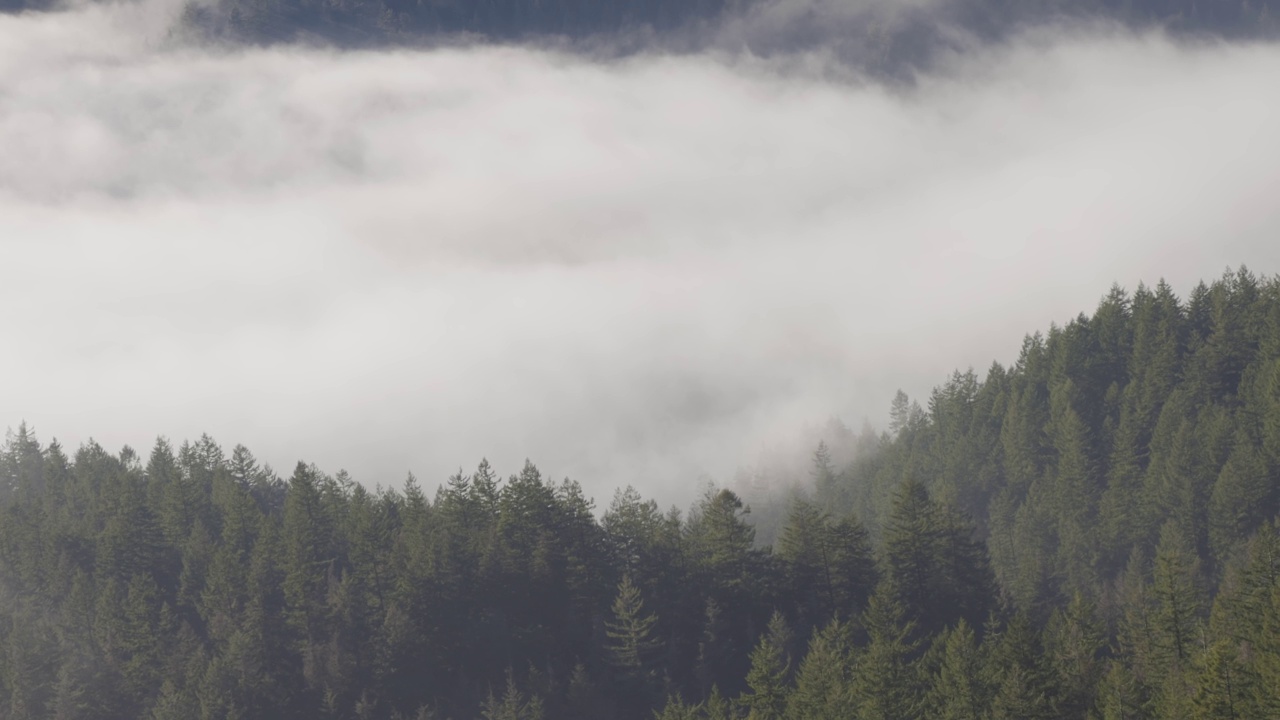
[
  {"x": 1090, "y": 533},
  {"x": 886, "y": 38}
]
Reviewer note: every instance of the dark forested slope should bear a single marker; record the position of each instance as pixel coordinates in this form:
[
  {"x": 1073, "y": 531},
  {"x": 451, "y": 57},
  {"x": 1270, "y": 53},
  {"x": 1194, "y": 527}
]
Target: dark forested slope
[
  {"x": 1087, "y": 534},
  {"x": 1152, "y": 411},
  {"x": 887, "y": 38}
]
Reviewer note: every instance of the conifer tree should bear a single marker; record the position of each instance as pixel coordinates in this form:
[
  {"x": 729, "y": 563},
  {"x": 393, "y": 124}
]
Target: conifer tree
[
  {"x": 677, "y": 709},
  {"x": 936, "y": 572},
  {"x": 911, "y": 547},
  {"x": 1177, "y": 597},
  {"x": 724, "y": 539},
  {"x": 1175, "y": 621},
  {"x": 899, "y": 412},
  {"x": 1019, "y": 698},
  {"x": 1121, "y": 696},
  {"x": 805, "y": 545},
  {"x": 22, "y": 465},
  {"x": 824, "y": 679},
  {"x": 1265, "y": 696},
  {"x": 29, "y": 669},
  {"x": 174, "y": 703},
  {"x": 960, "y": 689},
  {"x": 1243, "y": 498},
  {"x": 1241, "y": 608},
  {"x": 885, "y": 686},
  {"x": 632, "y": 640},
  {"x": 308, "y": 558},
  {"x": 583, "y": 700},
  {"x": 769, "y": 676},
  {"x": 512, "y": 705},
  {"x": 855, "y": 573},
  {"x": 717, "y": 707},
  {"x": 1224, "y": 685},
  {"x": 1075, "y": 640},
  {"x": 1019, "y": 669},
  {"x": 1075, "y": 495}
]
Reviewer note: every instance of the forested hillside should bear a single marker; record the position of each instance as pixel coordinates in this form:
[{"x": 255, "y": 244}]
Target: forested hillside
[
  {"x": 1152, "y": 411},
  {"x": 882, "y": 37},
  {"x": 1090, "y": 533},
  {"x": 903, "y": 31}
]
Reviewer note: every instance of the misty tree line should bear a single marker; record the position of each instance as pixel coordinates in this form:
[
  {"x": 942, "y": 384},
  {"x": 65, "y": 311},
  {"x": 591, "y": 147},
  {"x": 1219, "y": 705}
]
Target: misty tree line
[
  {"x": 890, "y": 31},
  {"x": 199, "y": 585},
  {"x": 1090, "y": 533},
  {"x": 880, "y": 36}
]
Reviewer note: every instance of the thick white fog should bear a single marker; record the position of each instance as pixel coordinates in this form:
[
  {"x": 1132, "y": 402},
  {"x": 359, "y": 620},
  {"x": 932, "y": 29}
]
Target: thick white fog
[{"x": 631, "y": 271}]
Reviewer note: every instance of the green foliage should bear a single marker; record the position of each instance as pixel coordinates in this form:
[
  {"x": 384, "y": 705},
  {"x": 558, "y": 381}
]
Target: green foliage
[
  {"x": 936, "y": 572},
  {"x": 960, "y": 689},
  {"x": 1075, "y": 641},
  {"x": 1177, "y": 598},
  {"x": 830, "y": 566},
  {"x": 1225, "y": 686},
  {"x": 1020, "y": 670},
  {"x": 824, "y": 681},
  {"x": 1121, "y": 696},
  {"x": 769, "y": 676},
  {"x": 1089, "y": 533},
  {"x": 632, "y": 643},
  {"x": 885, "y": 686},
  {"x": 677, "y": 709},
  {"x": 512, "y": 705}
]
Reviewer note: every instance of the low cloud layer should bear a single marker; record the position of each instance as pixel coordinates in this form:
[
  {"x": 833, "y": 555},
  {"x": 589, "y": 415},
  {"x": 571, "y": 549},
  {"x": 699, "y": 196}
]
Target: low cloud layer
[{"x": 632, "y": 271}]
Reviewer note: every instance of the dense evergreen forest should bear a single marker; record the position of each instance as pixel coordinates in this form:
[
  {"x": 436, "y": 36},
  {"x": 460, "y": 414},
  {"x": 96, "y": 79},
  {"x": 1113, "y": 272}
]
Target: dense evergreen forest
[{"x": 1090, "y": 533}]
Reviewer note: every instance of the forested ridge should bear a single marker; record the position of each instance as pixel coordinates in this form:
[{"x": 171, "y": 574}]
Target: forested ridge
[
  {"x": 1089, "y": 533},
  {"x": 884, "y": 38},
  {"x": 884, "y": 30}
]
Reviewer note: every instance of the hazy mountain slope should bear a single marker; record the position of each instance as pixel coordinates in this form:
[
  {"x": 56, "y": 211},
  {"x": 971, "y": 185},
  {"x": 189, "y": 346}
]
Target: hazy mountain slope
[{"x": 884, "y": 37}]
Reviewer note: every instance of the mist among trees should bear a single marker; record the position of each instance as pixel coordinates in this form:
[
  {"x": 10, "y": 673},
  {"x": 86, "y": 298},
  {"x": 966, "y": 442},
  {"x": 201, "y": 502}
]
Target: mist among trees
[
  {"x": 1089, "y": 533},
  {"x": 886, "y": 39}
]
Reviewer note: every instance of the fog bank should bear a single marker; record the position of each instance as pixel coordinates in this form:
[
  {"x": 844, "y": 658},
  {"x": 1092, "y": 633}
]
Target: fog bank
[{"x": 634, "y": 271}]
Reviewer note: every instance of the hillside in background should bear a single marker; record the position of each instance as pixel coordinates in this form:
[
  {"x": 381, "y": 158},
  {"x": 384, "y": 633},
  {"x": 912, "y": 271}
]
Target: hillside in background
[
  {"x": 1090, "y": 533},
  {"x": 1152, "y": 411},
  {"x": 881, "y": 37}
]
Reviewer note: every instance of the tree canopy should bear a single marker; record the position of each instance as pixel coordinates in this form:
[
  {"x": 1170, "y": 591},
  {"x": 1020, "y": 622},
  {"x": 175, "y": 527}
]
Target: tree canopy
[{"x": 1090, "y": 533}]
